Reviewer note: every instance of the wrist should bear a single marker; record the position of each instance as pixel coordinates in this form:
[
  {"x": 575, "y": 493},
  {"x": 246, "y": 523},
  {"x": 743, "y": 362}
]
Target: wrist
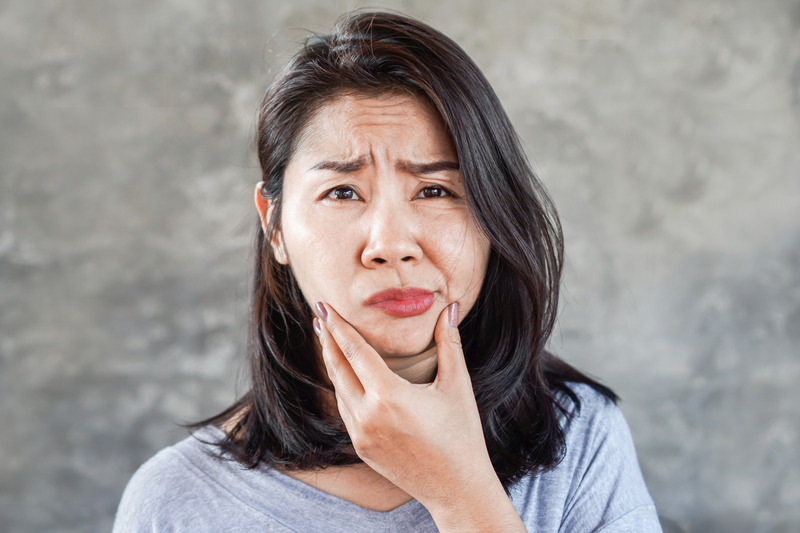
[{"x": 483, "y": 507}]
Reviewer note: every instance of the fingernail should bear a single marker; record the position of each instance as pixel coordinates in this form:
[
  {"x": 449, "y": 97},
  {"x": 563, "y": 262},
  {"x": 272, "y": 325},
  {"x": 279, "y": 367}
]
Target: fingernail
[
  {"x": 322, "y": 312},
  {"x": 317, "y": 326},
  {"x": 452, "y": 314}
]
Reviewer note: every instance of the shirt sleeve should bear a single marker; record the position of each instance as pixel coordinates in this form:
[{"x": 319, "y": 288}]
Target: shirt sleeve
[{"x": 607, "y": 493}]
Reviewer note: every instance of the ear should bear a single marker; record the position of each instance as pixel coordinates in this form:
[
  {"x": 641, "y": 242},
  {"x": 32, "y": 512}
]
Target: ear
[{"x": 264, "y": 207}]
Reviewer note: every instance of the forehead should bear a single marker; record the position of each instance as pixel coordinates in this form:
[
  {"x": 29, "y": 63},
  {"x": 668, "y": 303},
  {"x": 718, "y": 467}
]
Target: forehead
[{"x": 353, "y": 124}]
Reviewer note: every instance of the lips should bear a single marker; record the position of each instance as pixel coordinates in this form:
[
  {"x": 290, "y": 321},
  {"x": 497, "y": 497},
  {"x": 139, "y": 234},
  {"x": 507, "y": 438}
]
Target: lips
[{"x": 402, "y": 303}]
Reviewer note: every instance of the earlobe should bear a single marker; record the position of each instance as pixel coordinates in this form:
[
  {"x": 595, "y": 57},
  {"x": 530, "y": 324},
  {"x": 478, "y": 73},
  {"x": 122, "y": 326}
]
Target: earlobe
[
  {"x": 264, "y": 206},
  {"x": 278, "y": 249}
]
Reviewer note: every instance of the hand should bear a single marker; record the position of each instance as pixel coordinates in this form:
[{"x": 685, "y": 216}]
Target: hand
[{"x": 427, "y": 439}]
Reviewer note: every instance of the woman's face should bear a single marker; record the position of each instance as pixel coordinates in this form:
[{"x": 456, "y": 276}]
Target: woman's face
[{"x": 375, "y": 223}]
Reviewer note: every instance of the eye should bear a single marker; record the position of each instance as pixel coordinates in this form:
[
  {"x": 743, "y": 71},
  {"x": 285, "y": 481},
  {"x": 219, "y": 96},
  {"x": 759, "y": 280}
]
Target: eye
[
  {"x": 434, "y": 191},
  {"x": 342, "y": 193}
]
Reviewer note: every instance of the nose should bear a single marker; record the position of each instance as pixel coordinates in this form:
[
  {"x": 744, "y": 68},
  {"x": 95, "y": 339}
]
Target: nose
[{"x": 391, "y": 237}]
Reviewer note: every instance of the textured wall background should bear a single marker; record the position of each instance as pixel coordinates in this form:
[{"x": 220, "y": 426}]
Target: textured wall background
[{"x": 668, "y": 132}]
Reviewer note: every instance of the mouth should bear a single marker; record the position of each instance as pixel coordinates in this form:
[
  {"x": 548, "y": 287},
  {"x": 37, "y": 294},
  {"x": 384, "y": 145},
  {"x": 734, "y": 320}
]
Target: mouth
[{"x": 402, "y": 303}]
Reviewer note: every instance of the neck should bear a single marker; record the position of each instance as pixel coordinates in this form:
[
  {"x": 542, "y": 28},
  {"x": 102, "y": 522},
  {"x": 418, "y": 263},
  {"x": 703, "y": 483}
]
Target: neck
[
  {"x": 358, "y": 484},
  {"x": 420, "y": 368}
]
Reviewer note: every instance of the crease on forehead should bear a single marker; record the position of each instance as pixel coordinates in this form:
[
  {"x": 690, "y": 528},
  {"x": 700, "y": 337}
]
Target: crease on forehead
[
  {"x": 383, "y": 100},
  {"x": 412, "y": 167}
]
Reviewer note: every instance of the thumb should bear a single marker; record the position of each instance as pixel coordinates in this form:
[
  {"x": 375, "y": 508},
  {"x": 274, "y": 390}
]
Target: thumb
[{"x": 451, "y": 364}]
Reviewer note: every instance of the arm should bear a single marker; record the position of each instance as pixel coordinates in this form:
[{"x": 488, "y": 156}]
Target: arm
[{"x": 426, "y": 439}]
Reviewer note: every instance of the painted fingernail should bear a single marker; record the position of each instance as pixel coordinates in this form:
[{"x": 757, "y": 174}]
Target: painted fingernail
[
  {"x": 452, "y": 314},
  {"x": 322, "y": 312},
  {"x": 317, "y": 326}
]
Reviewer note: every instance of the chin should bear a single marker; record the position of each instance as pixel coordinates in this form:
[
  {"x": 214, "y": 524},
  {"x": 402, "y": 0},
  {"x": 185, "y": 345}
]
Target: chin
[{"x": 398, "y": 345}]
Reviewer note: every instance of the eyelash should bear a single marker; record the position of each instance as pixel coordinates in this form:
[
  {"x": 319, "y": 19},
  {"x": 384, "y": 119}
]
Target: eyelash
[{"x": 445, "y": 193}]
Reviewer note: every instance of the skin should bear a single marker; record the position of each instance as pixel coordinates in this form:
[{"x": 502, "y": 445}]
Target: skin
[{"x": 372, "y": 200}]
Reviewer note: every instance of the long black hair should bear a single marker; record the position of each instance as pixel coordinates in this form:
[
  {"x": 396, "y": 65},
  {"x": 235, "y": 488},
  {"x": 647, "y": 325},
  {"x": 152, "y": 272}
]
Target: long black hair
[{"x": 281, "y": 420}]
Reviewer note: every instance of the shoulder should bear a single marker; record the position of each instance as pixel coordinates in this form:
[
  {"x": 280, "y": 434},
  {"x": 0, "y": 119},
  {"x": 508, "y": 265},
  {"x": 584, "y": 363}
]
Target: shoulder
[
  {"x": 184, "y": 487},
  {"x": 161, "y": 473},
  {"x": 591, "y": 416},
  {"x": 606, "y": 481},
  {"x": 156, "y": 487},
  {"x": 598, "y": 485}
]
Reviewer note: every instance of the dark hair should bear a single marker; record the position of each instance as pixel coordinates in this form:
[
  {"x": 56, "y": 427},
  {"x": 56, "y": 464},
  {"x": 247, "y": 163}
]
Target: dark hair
[{"x": 281, "y": 420}]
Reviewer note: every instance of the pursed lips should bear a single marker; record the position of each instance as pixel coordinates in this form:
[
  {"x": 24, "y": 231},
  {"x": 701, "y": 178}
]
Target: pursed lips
[{"x": 402, "y": 302}]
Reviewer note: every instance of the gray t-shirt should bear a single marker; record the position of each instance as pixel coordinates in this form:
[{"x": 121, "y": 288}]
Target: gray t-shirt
[{"x": 597, "y": 487}]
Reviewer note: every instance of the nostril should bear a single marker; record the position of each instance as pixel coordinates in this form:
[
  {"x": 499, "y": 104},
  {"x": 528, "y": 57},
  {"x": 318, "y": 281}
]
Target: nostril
[
  {"x": 379, "y": 260},
  {"x": 407, "y": 258}
]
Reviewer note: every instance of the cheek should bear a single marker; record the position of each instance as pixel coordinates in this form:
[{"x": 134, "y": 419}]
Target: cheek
[
  {"x": 304, "y": 235},
  {"x": 462, "y": 252},
  {"x": 317, "y": 250}
]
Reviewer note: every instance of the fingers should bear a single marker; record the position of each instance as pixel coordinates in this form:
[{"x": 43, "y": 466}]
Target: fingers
[
  {"x": 349, "y": 349},
  {"x": 344, "y": 379},
  {"x": 448, "y": 346},
  {"x": 347, "y": 388}
]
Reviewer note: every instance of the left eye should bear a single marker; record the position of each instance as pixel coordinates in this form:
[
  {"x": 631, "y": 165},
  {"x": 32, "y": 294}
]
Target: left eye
[
  {"x": 343, "y": 193},
  {"x": 434, "y": 191}
]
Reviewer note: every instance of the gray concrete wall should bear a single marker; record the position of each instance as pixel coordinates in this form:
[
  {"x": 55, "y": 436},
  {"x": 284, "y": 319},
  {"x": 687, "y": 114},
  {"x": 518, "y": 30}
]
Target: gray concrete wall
[{"x": 668, "y": 132}]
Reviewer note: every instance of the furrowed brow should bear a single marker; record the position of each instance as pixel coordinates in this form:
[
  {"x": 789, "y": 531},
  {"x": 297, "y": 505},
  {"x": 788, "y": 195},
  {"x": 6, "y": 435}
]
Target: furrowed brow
[
  {"x": 428, "y": 168},
  {"x": 343, "y": 167}
]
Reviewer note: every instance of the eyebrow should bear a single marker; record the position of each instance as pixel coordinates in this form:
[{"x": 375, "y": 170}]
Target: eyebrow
[
  {"x": 343, "y": 167},
  {"x": 428, "y": 168},
  {"x": 347, "y": 167}
]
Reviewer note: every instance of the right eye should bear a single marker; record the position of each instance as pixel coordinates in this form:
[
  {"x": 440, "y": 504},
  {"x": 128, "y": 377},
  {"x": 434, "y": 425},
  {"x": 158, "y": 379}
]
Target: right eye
[{"x": 342, "y": 193}]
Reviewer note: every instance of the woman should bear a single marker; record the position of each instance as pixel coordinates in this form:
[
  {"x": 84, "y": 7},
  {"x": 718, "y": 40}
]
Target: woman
[{"x": 406, "y": 282}]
